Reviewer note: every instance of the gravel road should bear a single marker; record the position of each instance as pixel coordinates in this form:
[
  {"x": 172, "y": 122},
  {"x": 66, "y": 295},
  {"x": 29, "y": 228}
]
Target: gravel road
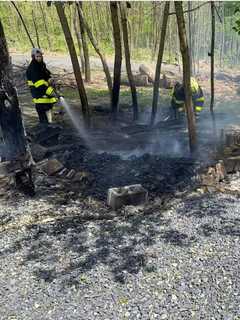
[{"x": 179, "y": 260}]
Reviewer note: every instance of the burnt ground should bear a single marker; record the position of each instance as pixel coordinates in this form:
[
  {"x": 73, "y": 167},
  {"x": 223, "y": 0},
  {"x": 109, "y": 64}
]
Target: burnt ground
[{"x": 66, "y": 255}]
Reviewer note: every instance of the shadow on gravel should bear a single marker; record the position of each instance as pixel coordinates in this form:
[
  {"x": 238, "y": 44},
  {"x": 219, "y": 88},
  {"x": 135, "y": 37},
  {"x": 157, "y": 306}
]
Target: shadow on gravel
[
  {"x": 220, "y": 213},
  {"x": 68, "y": 249}
]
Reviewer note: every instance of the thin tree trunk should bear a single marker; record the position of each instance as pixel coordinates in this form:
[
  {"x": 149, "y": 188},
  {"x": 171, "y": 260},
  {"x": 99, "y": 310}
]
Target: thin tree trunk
[
  {"x": 186, "y": 76},
  {"x": 45, "y": 24},
  {"x": 79, "y": 40},
  {"x": 159, "y": 62},
  {"x": 85, "y": 47},
  {"x": 36, "y": 29},
  {"x": 75, "y": 63},
  {"x": 212, "y": 55},
  {"x": 128, "y": 60},
  {"x": 190, "y": 35},
  {"x": 96, "y": 47},
  {"x": 117, "y": 59},
  {"x": 24, "y": 25}
]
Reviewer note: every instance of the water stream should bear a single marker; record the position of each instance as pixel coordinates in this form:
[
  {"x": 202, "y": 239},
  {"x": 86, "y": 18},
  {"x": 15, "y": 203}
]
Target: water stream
[{"x": 77, "y": 122}]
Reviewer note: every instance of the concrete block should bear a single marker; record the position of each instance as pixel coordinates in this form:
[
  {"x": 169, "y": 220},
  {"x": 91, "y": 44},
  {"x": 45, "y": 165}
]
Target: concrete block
[{"x": 128, "y": 195}]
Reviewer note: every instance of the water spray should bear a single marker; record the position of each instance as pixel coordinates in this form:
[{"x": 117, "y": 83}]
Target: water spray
[{"x": 75, "y": 120}]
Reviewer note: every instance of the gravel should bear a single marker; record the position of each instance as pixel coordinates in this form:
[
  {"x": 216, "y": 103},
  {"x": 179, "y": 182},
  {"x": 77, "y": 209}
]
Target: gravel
[{"x": 79, "y": 260}]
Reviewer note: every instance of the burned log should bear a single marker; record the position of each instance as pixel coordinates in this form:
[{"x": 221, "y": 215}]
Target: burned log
[{"x": 16, "y": 158}]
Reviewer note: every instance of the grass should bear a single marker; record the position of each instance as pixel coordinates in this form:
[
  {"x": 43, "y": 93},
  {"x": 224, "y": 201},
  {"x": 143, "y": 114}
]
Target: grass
[{"x": 100, "y": 96}]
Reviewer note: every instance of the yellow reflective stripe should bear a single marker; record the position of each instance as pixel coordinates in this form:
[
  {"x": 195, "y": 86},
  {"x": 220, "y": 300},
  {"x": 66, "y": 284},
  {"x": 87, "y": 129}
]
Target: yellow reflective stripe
[
  {"x": 200, "y": 99},
  {"x": 198, "y": 109},
  {"x": 194, "y": 85},
  {"x": 30, "y": 83},
  {"x": 40, "y": 83},
  {"x": 44, "y": 100},
  {"x": 49, "y": 90}
]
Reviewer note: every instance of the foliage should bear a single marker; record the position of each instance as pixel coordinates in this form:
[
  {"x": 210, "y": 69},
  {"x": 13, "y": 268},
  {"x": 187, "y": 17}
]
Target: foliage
[{"x": 144, "y": 28}]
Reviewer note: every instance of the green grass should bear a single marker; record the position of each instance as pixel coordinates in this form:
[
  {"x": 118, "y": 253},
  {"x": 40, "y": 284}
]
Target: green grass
[{"x": 101, "y": 97}]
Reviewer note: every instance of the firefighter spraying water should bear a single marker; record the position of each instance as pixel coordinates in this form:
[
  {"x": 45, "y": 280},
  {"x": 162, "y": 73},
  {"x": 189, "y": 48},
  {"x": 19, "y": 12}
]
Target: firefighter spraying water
[{"x": 42, "y": 87}]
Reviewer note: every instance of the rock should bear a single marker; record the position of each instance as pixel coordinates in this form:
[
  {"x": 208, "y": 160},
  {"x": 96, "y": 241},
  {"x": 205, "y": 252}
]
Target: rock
[
  {"x": 139, "y": 79},
  {"x": 128, "y": 195},
  {"x": 144, "y": 70},
  {"x": 50, "y": 166},
  {"x": 38, "y": 151}
]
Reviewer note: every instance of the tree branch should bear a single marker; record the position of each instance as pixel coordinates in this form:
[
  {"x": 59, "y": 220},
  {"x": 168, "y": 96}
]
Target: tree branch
[
  {"x": 193, "y": 9},
  {"x": 25, "y": 27},
  {"x": 220, "y": 19}
]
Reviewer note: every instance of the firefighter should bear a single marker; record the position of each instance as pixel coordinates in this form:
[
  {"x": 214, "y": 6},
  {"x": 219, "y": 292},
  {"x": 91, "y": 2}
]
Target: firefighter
[
  {"x": 178, "y": 98},
  {"x": 40, "y": 83}
]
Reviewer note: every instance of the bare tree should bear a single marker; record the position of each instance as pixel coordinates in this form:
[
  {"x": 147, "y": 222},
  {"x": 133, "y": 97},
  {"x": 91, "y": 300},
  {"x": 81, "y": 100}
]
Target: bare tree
[
  {"x": 212, "y": 55},
  {"x": 159, "y": 62},
  {"x": 128, "y": 59},
  {"x": 85, "y": 46},
  {"x": 24, "y": 25},
  {"x": 96, "y": 47},
  {"x": 78, "y": 36},
  {"x": 45, "y": 24},
  {"x": 186, "y": 75},
  {"x": 16, "y": 155},
  {"x": 75, "y": 63},
  {"x": 117, "y": 59},
  {"x": 36, "y": 28}
]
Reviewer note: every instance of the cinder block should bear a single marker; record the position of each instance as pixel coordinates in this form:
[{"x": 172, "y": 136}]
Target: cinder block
[{"x": 128, "y": 195}]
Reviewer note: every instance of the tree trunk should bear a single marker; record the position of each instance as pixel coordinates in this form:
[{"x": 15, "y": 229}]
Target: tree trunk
[
  {"x": 96, "y": 47},
  {"x": 190, "y": 35},
  {"x": 117, "y": 59},
  {"x": 36, "y": 29},
  {"x": 79, "y": 40},
  {"x": 159, "y": 62},
  {"x": 128, "y": 60},
  {"x": 15, "y": 153},
  {"x": 212, "y": 55},
  {"x": 85, "y": 47},
  {"x": 45, "y": 25},
  {"x": 186, "y": 76},
  {"x": 75, "y": 63}
]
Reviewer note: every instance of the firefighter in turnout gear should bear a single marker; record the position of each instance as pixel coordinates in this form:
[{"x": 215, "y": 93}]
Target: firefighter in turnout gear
[
  {"x": 40, "y": 83},
  {"x": 178, "y": 98}
]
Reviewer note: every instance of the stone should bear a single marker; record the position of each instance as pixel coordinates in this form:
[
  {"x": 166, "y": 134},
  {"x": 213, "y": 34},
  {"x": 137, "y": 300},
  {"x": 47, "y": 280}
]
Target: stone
[
  {"x": 140, "y": 80},
  {"x": 128, "y": 195},
  {"x": 50, "y": 166},
  {"x": 144, "y": 70}
]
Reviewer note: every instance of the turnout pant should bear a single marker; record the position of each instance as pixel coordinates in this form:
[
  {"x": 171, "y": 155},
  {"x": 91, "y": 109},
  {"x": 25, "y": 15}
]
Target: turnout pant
[{"x": 44, "y": 111}]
